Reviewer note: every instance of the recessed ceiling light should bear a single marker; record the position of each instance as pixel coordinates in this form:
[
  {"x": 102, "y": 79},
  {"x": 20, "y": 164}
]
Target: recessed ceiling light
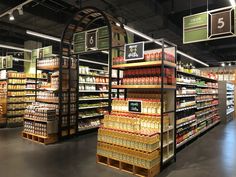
[{"x": 223, "y": 64}]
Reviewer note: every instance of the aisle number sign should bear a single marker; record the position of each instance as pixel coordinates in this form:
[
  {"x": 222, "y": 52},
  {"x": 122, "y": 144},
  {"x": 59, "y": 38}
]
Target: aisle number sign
[
  {"x": 215, "y": 24},
  {"x": 6, "y": 62}
]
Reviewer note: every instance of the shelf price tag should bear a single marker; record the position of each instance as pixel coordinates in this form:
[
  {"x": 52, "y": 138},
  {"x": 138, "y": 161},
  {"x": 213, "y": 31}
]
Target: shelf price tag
[
  {"x": 135, "y": 106},
  {"x": 134, "y": 51}
]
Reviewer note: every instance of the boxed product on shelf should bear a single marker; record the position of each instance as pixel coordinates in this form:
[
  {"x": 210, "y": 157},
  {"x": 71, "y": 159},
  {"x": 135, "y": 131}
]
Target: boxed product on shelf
[{"x": 40, "y": 120}]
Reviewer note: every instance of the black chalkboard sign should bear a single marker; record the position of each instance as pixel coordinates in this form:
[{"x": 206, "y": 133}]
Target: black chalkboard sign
[
  {"x": 91, "y": 39},
  {"x": 135, "y": 106},
  {"x": 134, "y": 51}
]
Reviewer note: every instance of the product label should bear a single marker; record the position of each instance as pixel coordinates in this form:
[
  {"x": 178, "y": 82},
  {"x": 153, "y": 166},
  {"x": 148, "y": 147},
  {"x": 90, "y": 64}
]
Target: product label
[
  {"x": 134, "y": 51},
  {"x": 135, "y": 106}
]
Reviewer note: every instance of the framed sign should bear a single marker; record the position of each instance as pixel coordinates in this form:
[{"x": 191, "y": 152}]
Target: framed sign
[
  {"x": 134, "y": 51},
  {"x": 135, "y": 106},
  {"x": 221, "y": 23},
  {"x": 210, "y": 25},
  {"x": 91, "y": 39},
  {"x": 4, "y": 63},
  {"x": 9, "y": 61}
]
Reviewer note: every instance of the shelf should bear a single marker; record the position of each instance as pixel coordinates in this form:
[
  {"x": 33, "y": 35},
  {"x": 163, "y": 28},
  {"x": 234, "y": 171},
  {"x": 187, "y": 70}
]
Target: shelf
[
  {"x": 16, "y": 83},
  {"x": 196, "y": 134},
  {"x": 143, "y": 64},
  {"x": 202, "y": 86},
  {"x": 185, "y": 108},
  {"x": 14, "y": 109},
  {"x": 185, "y": 123},
  {"x": 207, "y": 112},
  {"x": 15, "y": 90},
  {"x": 181, "y": 83},
  {"x": 88, "y": 128},
  {"x": 200, "y": 121},
  {"x": 200, "y": 101},
  {"x": 16, "y": 115},
  {"x": 38, "y": 120},
  {"x": 50, "y": 89},
  {"x": 49, "y": 68},
  {"x": 183, "y": 96},
  {"x": 207, "y": 93},
  {"x": 92, "y": 116},
  {"x": 92, "y": 99},
  {"x": 47, "y": 101},
  {"x": 194, "y": 75},
  {"x": 92, "y": 91},
  {"x": 16, "y": 78},
  {"x": 17, "y": 102},
  {"x": 143, "y": 86},
  {"x": 207, "y": 106},
  {"x": 15, "y": 95},
  {"x": 230, "y": 111},
  {"x": 92, "y": 75},
  {"x": 91, "y": 83},
  {"x": 92, "y": 107}
]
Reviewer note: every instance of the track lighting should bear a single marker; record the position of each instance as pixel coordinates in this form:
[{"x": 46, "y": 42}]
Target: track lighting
[
  {"x": 11, "y": 16},
  {"x": 20, "y": 10}
]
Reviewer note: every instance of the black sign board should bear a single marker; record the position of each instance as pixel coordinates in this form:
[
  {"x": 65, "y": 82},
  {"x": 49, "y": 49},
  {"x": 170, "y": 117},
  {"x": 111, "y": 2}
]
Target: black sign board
[
  {"x": 135, "y": 106},
  {"x": 221, "y": 23},
  {"x": 134, "y": 51},
  {"x": 91, "y": 39}
]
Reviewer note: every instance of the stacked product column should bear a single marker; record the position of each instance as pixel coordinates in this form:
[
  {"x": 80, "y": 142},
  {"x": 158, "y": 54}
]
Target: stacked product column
[
  {"x": 230, "y": 99},
  {"x": 197, "y": 105},
  {"x": 31, "y": 85},
  {"x": 40, "y": 124},
  {"x": 16, "y": 97},
  {"x": 93, "y": 94},
  {"x": 138, "y": 133},
  {"x": 3, "y": 100}
]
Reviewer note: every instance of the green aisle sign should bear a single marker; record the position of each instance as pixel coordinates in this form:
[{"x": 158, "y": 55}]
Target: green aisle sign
[
  {"x": 195, "y": 28},
  {"x": 210, "y": 25}
]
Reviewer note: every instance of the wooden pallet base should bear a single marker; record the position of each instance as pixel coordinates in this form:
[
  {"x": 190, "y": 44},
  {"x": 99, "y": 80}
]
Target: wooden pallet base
[
  {"x": 39, "y": 139},
  {"x": 135, "y": 170}
]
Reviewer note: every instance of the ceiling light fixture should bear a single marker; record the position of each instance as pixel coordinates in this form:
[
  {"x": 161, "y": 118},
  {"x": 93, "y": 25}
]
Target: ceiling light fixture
[
  {"x": 230, "y": 64},
  {"x": 11, "y": 17},
  {"x": 14, "y": 48},
  {"x": 232, "y": 2},
  {"x": 20, "y": 10},
  {"x": 223, "y": 64},
  {"x": 159, "y": 43},
  {"x": 45, "y": 36}
]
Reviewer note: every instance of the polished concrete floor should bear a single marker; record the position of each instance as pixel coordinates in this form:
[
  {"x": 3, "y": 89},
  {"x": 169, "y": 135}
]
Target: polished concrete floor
[{"x": 212, "y": 155}]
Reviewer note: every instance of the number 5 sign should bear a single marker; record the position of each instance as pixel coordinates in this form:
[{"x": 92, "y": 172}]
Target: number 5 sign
[{"x": 221, "y": 23}]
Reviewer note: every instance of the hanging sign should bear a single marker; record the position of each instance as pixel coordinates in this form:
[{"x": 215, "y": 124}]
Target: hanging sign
[
  {"x": 210, "y": 25},
  {"x": 134, "y": 51},
  {"x": 91, "y": 39},
  {"x": 135, "y": 106}
]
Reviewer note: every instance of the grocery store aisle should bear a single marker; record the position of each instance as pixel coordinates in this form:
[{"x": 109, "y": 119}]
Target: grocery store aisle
[{"x": 212, "y": 155}]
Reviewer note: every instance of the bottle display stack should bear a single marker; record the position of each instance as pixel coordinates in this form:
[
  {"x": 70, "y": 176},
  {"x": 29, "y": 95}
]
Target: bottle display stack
[
  {"x": 138, "y": 134},
  {"x": 197, "y": 103},
  {"x": 226, "y": 97},
  {"x": 93, "y": 94}
]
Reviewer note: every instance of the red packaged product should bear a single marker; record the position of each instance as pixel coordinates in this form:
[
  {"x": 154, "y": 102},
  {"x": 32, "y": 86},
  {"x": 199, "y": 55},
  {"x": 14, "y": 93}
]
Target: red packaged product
[
  {"x": 151, "y": 80},
  {"x": 156, "y": 80},
  {"x": 147, "y": 57},
  {"x": 147, "y": 81},
  {"x": 142, "y": 80},
  {"x": 139, "y": 81},
  {"x": 135, "y": 80},
  {"x": 157, "y": 56},
  {"x": 152, "y": 56}
]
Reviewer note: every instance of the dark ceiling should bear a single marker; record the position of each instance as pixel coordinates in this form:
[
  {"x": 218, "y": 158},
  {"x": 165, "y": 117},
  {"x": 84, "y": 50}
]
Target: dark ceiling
[{"x": 157, "y": 18}]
